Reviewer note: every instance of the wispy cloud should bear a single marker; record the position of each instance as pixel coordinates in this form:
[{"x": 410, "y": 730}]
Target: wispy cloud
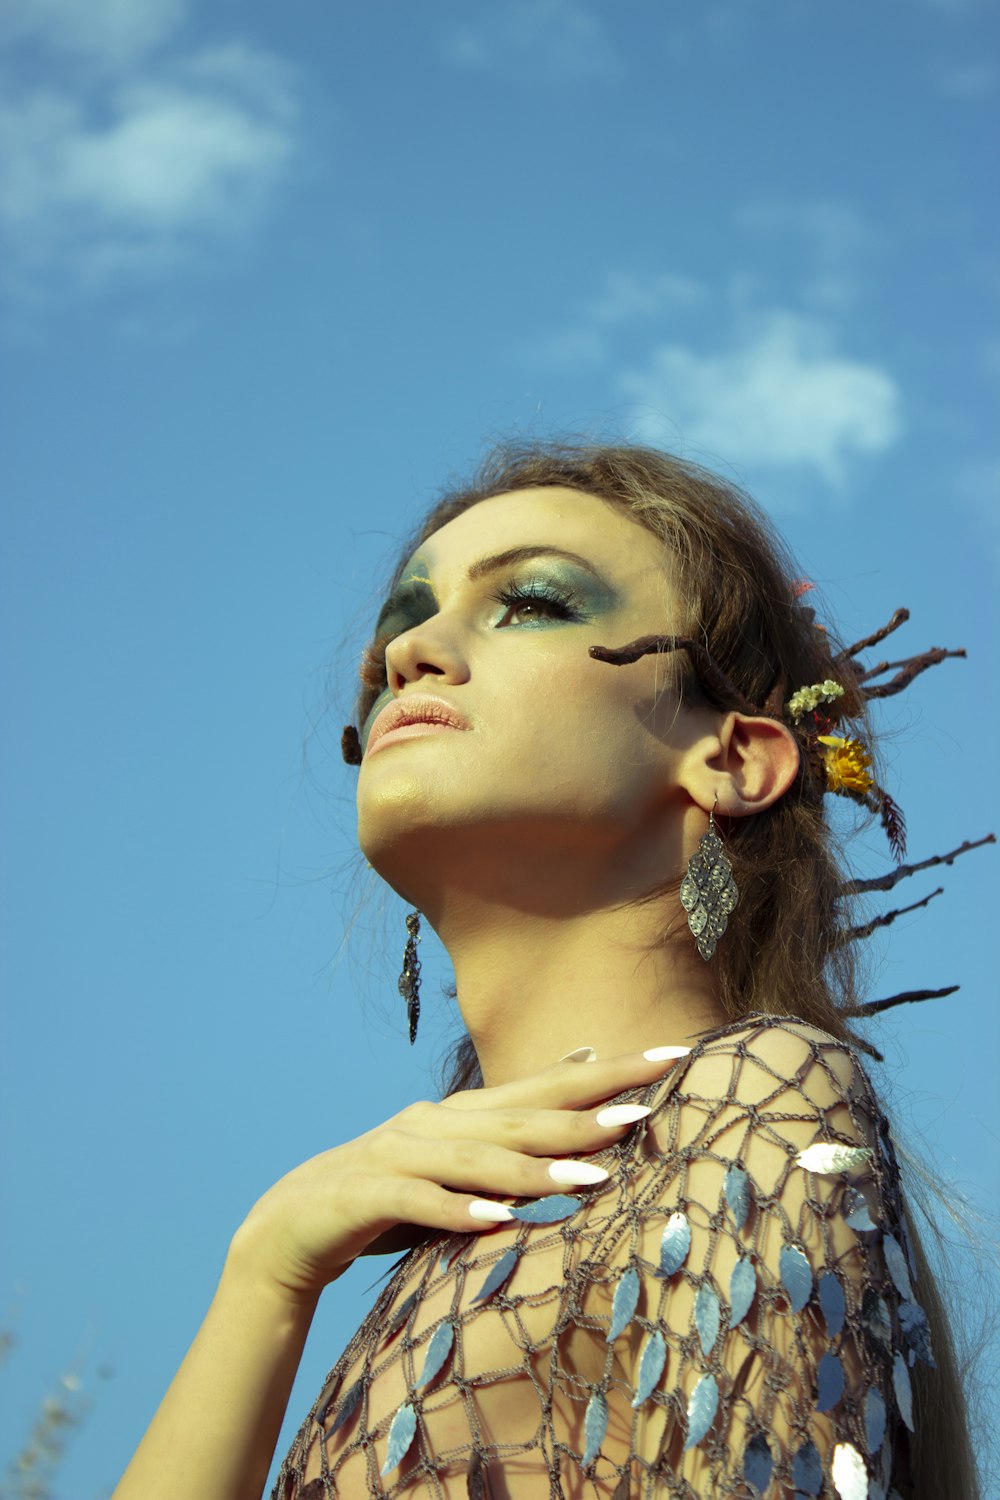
[
  {"x": 144, "y": 155},
  {"x": 783, "y": 396},
  {"x": 828, "y": 239},
  {"x": 970, "y": 80},
  {"x": 624, "y": 299},
  {"x": 108, "y": 33},
  {"x": 538, "y": 38}
]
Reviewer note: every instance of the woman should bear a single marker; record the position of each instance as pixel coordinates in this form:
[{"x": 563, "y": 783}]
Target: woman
[{"x": 659, "y": 1241}]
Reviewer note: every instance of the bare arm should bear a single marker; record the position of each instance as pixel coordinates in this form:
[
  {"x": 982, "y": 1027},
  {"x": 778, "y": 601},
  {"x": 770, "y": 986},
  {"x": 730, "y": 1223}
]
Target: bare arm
[{"x": 217, "y": 1426}]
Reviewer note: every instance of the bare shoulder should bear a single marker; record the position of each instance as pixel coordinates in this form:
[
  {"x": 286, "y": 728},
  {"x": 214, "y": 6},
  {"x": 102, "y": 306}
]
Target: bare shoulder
[
  {"x": 777, "y": 1073},
  {"x": 765, "y": 1057}
]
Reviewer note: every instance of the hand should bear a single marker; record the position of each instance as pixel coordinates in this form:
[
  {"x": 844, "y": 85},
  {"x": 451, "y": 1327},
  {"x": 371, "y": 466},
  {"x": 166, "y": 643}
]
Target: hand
[{"x": 431, "y": 1166}]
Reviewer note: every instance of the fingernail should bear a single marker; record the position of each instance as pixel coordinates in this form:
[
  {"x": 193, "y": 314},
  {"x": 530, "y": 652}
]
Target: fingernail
[
  {"x": 582, "y": 1054},
  {"x": 622, "y": 1114},
  {"x": 665, "y": 1054},
  {"x": 489, "y": 1213},
  {"x": 576, "y": 1173}
]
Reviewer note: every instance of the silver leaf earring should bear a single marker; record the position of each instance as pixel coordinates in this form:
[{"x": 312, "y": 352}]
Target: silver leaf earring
[
  {"x": 409, "y": 980},
  {"x": 708, "y": 891}
]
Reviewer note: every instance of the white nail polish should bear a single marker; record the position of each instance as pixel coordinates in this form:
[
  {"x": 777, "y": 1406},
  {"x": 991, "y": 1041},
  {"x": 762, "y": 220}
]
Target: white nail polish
[
  {"x": 623, "y": 1114},
  {"x": 665, "y": 1054},
  {"x": 577, "y": 1173},
  {"x": 582, "y": 1054},
  {"x": 489, "y": 1213}
]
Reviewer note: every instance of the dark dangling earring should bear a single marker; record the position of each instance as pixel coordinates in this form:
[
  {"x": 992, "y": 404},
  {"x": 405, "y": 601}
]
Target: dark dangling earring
[
  {"x": 409, "y": 980},
  {"x": 708, "y": 891}
]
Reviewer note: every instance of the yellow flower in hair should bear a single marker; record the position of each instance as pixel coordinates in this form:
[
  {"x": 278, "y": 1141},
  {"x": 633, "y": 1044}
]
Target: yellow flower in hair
[{"x": 846, "y": 763}]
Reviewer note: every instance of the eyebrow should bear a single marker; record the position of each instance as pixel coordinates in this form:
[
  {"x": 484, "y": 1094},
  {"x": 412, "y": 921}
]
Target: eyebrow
[{"x": 513, "y": 555}]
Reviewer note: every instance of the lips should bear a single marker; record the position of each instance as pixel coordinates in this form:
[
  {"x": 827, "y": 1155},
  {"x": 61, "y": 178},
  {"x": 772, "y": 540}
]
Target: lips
[{"x": 419, "y": 709}]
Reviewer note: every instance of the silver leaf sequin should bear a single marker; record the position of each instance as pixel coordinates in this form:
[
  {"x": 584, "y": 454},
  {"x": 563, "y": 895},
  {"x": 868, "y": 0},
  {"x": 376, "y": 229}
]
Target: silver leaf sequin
[
  {"x": 625, "y": 1303},
  {"x": 547, "y": 1210},
  {"x": 896, "y": 1262},
  {"x": 829, "y": 1381},
  {"x": 499, "y": 1274},
  {"x": 849, "y": 1473},
  {"x": 675, "y": 1244},
  {"x": 706, "y": 1318},
  {"x": 595, "y": 1425},
  {"x": 758, "y": 1463},
  {"x": 855, "y": 1211},
  {"x": 916, "y": 1333},
  {"x": 904, "y": 1230},
  {"x": 827, "y": 1157},
  {"x": 437, "y": 1352},
  {"x": 831, "y": 1300},
  {"x": 807, "y": 1470},
  {"x": 347, "y": 1407},
  {"x": 401, "y": 1434},
  {"x": 742, "y": 1289},
  {"x": 448, "y": 1255},
  {"x": 903, "y": 1390},
  {"x": 654, "y": 1357},
  {"x": 736, "y": 1188},
  {"x": 401, "y": 1314},
  {"x": 701, "y": 1410},
  {"x": 874, "y": 1420},
  {"x": 796, "y": 1276}
]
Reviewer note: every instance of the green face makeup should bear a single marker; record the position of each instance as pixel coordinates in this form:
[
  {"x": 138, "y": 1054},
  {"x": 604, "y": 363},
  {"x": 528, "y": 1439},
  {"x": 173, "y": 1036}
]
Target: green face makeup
[{"x": 565, "y": 587}]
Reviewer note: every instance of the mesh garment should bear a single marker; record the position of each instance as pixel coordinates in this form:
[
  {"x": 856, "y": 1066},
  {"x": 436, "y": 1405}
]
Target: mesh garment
[{"x": 731, "y": 1314}]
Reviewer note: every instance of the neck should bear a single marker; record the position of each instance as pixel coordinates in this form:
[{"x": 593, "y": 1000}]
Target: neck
[{"x": 535, "y": 984}]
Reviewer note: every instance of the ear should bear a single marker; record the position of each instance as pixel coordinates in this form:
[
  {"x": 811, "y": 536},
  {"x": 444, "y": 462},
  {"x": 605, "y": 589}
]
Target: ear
[{"x": 747, "y": 763}]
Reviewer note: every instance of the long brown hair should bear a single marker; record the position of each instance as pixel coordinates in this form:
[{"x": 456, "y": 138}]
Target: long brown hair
[{"x": 787, "y": 949}]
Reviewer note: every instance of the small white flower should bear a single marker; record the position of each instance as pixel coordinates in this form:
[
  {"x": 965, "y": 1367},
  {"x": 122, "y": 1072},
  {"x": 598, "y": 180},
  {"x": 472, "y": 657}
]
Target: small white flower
[{"x": 808, "y": 698}]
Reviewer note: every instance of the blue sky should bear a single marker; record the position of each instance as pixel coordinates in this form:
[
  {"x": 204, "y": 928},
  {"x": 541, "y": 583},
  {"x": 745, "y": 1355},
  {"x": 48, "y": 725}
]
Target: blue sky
[{"x": 269, "y": 276}]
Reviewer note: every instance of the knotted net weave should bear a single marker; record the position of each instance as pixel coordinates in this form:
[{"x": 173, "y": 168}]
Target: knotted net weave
[{"x": 731, "y": 1314}]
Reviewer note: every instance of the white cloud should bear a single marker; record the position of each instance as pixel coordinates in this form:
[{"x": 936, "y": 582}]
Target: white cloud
[
  {"x": 108, "y": 32},
  {"x": 539, "y": 38},
  {"x": 127, "y": 174},
  {"x": 781, "y": 396}
]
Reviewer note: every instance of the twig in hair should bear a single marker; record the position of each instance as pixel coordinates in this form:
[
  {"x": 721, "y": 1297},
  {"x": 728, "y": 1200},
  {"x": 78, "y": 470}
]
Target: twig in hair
[
  {"x": 887, "y": 918},
  {"x": 909, "y": 997},
  {"x": 910, "y": 669},
  {"x": 710, "y": 674},
  {"x": 902, "y": 872},
  {"x": 350, "y": 745},
  {"x": 900, "y": 617}
]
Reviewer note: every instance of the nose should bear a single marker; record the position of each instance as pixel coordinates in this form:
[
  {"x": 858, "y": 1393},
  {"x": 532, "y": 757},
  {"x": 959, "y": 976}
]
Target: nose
[{"x": 424, "y": 651}]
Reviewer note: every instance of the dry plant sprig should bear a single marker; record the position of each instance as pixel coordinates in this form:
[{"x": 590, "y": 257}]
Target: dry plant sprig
[
  {"x": 892, "y": 878},
  {"x": 865, "y": 929}
]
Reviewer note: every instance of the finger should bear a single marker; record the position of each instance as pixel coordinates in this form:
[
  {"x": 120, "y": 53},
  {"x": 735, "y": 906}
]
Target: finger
[
  {"x": 567, "y": 1085},
  {"x": 536, "y": 1132},
  {"x": 481, "y": 1167}
]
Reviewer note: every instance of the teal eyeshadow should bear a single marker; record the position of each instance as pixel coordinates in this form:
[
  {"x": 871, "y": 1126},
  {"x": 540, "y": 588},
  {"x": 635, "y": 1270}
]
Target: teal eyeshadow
[{"x": 414, "y": 601}]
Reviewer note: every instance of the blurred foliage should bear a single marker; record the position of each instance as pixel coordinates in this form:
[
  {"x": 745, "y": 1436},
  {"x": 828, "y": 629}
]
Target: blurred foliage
[{"x": 32, "y": 1472}]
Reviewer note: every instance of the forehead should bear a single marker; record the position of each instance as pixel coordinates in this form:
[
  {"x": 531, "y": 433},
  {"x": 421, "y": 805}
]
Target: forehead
[{"x": 602, "y": 532}]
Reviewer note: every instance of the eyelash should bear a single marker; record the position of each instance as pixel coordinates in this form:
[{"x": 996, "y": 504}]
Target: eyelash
[{"x": 554, "y": 596}]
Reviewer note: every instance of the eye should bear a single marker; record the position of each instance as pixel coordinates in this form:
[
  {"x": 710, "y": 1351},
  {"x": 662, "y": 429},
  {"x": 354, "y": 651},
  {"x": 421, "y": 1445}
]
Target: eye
[{"x": 548, "y": 599}]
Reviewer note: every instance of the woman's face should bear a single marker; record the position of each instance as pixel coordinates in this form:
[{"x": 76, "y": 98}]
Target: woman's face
[{"x": 563, "y": 755}]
